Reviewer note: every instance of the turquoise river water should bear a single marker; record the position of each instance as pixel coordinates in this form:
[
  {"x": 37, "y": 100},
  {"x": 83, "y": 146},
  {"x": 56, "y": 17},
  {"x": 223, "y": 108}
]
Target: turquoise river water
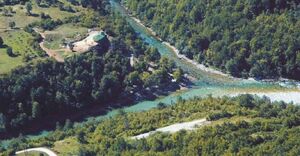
[{"x": 206, "y": 83}]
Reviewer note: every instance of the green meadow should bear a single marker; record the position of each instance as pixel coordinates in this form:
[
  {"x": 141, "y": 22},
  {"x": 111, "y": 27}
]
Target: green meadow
[{"x": 21, "y": 42}]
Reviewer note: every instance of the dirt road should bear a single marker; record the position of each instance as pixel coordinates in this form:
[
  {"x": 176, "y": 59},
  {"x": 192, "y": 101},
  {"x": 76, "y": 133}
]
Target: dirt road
[
  {"x": 50, "y": 52},
  {"x": 39, "y": 149}
]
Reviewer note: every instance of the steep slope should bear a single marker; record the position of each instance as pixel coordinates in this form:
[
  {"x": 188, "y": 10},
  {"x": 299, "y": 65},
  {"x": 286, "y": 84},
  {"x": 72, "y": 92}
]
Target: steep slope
[
  {"x": 244, "y": 125},
  {"x": 243, "y": 37}
]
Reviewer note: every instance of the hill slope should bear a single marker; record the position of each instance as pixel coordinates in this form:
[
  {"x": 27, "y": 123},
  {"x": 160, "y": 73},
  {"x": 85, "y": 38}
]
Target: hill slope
[
  {"x": 244, "y": 125},
  {"x": 244, "y": 37}
]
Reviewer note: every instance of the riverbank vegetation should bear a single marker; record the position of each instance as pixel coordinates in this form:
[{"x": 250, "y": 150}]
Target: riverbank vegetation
[
  {"x": 251, "y": 126},
  {"x": 260, "y": 39},
  {"x": 46, "y": 91},
  {"x": 124, "y": 70}
]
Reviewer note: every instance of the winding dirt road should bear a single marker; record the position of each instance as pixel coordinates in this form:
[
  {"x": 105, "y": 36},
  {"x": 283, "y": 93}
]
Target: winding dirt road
[
  {"x": 39, "y": 149},
  {"x": 50, "y": 52}
]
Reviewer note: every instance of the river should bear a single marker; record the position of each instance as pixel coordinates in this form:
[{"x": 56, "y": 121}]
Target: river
[{"x": 207, "y": 83}]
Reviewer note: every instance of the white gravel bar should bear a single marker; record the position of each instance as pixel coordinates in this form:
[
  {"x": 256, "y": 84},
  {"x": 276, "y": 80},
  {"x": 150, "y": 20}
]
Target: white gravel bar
[
  {"x": 39, "y": 149},
  {"x": 293, "y": 96},
  {"x": 175, "y": 128}
]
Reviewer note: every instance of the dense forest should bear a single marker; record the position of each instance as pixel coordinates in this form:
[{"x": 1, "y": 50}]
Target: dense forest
[
  {"x": 246, "y": 38},
  {"x": 256, "y": 38},
  {"x": 252, "y": 126},
  {"x": 45, "y": 89}
]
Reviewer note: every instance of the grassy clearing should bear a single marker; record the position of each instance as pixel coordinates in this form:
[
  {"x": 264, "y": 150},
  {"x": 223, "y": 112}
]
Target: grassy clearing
[
  {"x": 8, "y": 63},
  {"x": 69, "y": 146},
  {"x": 65, "y": 54},
  {"x": 19, "y": 41},
  {"x": 19, "y": 17},
  {"x": 22, "y": 19},
  {"x": 55, "y": 38},
  {"x": 68, "y": 32}
]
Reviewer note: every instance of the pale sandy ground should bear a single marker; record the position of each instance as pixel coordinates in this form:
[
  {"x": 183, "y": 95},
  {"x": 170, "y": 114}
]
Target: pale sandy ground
[
  {"x": 292, "y": 96},
  {"x": 86, "y": 44},
  {"x": 80, "y": 46},
  {"x": 51, "y": 53},
  {"x": 40, "y": 149},
  {"x": 176, "y": 127}
]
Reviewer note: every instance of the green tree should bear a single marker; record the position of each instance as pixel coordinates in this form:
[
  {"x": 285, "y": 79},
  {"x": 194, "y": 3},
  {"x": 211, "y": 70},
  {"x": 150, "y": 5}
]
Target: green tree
[
  {"x": 38, "y": 2},
  {"x": 246, "y": 100},
  {"x": 241, "y": 37},
  {"x": 36, "y": 110},
  {"x": 12, "y": 24},
  {"x": 9, "y": 51},
  {"x": 1, "y": 42},
  {"x": 133, "y": 78},
  {"x": 5, "y": 12},
  {"x": 178, "y": 74},
  {"x": 68, "y": 124},
  {"x": 2, "y": 123},
  {"x": 81, "y": 137},
  {"x": 28, "y": 7},
  {"x": 166, "y": 64},
  {"x": 152, "y": 54},
  {"x": 232, "y": 67},
  {"x": 161, "y": 105}
]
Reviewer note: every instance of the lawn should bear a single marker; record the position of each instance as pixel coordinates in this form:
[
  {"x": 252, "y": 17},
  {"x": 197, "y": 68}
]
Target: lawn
[
  {"x": 19, "y": 17},
  {"x": 20, "y": 41},
  {"x": 55, "y": 38},
  {"x": 8, "y": 63},
  {"x": 69, "y": 146},
  {"x": 22, "y": 19},
  {"x": 65, "y": 54}
]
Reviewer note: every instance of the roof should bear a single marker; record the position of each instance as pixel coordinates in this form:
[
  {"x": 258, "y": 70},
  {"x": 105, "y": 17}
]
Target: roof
[{"x": 100, "y": 36}]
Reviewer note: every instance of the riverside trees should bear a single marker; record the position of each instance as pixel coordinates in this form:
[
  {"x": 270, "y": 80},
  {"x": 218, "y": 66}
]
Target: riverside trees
[
  {"x": 243, "y": 37},
  {"x": 262, "y": 128},
  {"x": 45, "y": 88}
]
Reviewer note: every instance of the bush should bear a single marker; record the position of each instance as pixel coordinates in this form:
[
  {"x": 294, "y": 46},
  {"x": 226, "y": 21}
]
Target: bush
[
  {"x": 246, "y": 100},
  {"x": 9, "y": 52},
  {"x": 217, "y": 116}
]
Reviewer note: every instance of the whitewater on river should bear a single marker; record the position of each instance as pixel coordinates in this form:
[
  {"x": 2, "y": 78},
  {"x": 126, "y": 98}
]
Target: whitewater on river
[{"x": 207, "y": 82}]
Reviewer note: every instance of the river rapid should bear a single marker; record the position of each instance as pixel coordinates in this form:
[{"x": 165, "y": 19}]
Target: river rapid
[{"x": 206, "y": 82}]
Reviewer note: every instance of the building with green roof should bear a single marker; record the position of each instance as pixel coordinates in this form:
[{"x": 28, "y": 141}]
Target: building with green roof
[{"x": 99, "y": 37}]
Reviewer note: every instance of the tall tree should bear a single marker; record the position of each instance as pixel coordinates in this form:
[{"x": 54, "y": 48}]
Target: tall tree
[
  {"x": 28, "y": 8},
  {"x": 1, "y": 41}
]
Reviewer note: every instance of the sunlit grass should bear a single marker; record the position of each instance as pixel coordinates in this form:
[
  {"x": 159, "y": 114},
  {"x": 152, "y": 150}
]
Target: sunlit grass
[
  {"x": 55, "y": 38},
  {"x": 8, "y": 63},
  {"x": 68, "y": 146}
]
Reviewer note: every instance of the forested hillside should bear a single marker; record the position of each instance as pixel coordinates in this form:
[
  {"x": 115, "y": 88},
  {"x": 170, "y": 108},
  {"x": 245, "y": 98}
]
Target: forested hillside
[
  {"x": 244, "y": 125},
  {"x": 257, "y": 38},
  {"x": 45, "y": 90}
]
